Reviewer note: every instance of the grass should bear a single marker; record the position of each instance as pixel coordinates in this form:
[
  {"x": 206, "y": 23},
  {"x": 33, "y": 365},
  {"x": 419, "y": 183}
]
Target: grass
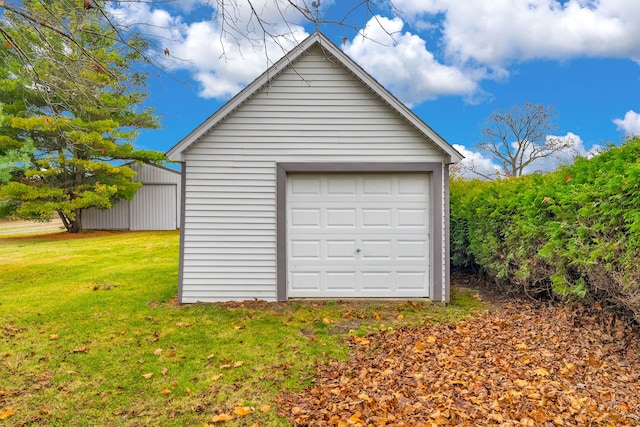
[{"x": 91, "y": 334}]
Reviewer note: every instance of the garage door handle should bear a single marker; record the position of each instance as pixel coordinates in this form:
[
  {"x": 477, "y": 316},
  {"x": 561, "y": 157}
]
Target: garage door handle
[{"x": 358, "y": 250}]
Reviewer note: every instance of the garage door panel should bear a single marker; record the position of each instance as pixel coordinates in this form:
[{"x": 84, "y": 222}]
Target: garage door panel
[
  {"x": 308, "y": 281},
  {"x": 345, "y": 280},
  {"x": 305, "y": 218},
  {"x": 412, "y": 250},
  {"x": 305, "y": 186},
  {"x": 376, "y": 249},
  {"x": 380, "y": 185},
  {"x": 343, "y": 218},
  {"x": 412, "y": 218},
  {"x": 409, "y": 185},
  {"x": 376, "y": 280},
  {"x": 376, "y": 218},
  {"x": 360, "y": 235},
  {"x": 411, "y": 280},
  {"x": 305, "y": 249},
  {"x": 340, "y": 185},
  {"x": 340, "y": 249}
]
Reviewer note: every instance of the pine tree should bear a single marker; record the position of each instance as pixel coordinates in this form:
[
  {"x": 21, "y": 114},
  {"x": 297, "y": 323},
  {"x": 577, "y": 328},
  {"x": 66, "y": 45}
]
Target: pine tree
[{"x": 74, "y": 110}]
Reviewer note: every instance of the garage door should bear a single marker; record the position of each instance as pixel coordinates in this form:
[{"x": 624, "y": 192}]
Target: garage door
[
  {"x": 358, "y": 235},
  {"x": 154, "y": 207}
]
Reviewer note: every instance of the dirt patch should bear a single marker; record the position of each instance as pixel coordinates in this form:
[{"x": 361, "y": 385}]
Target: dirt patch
[
  {"x": 52, "y": 230},
  {"x": 352, "y": 307},
  {"x": 30, "y": 228},
  {"x": 483, "y": 288},
  {"x": 343, "y": 328}
]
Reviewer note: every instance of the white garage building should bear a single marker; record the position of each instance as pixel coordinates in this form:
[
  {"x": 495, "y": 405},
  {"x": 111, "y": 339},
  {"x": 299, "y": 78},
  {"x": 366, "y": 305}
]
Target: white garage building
[
  {"x": 155, "y": 206},
  {"x": 314, "y": 181}
]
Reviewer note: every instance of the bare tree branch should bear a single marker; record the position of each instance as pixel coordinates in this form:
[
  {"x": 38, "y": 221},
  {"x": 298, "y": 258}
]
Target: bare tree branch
[
  {"x": 238, "y": 21},
  {"x": 520, "y": 136},
  {"x": 257, "y": 29}
]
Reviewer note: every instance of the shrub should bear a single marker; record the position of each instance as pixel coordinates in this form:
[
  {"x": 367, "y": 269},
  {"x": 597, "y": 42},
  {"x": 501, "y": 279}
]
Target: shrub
[{"x": 571, "y": 234}]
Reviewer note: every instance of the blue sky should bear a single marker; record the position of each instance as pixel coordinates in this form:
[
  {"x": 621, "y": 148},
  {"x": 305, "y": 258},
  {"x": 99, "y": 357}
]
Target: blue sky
[{"x": 452, "y": 62}]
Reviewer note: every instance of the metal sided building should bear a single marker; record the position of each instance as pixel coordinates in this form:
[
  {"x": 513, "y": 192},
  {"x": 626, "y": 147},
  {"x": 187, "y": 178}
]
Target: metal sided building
[{"x": 155, "y": 206}]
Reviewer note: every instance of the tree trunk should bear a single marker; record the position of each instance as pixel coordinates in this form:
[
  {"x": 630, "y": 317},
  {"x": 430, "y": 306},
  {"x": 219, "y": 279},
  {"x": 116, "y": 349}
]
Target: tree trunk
[
  {"x": 76, "y": 224},
  {"x": 72, "y": 225},
  {"x": 64, "y": 220}
]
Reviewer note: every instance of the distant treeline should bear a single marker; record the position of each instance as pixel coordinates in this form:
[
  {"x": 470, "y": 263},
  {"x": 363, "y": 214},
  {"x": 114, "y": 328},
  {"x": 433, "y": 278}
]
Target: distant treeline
[{"x": 572, "y": 234}]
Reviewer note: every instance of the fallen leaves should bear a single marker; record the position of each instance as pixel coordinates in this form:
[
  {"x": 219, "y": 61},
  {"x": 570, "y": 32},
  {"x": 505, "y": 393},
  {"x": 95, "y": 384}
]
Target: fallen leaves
[
  {"x": 7, "y": 413},
  {"x": 541, "y": 372},
  {"x": 624, "y": 406},
  {"x": 241, "y": 411},
  {"x": 523, "y": 365},
  {"x": 265, "y": 408},
  {"x": 232, "y": 365},
  {"x": 221, "y": 418}
]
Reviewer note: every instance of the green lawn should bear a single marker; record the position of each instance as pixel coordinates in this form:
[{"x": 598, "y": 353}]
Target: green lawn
[{"x": 91, "y": 334}]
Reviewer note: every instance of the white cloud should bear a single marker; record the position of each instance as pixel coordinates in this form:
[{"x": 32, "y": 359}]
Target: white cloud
[
  {"x": 218, "y": 56},
  {"x": 404, "y": 65},
  {"x": 498, "y": 32},
  {"x": 223, "y": 61},
  {"x": 476, "y": 165},
  {"x": 630, "y": 125},
  {"x": 474, "y": 40}
]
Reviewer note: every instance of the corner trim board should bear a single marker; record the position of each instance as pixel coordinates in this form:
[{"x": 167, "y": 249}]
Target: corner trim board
[{"x": 183, "y": 197}]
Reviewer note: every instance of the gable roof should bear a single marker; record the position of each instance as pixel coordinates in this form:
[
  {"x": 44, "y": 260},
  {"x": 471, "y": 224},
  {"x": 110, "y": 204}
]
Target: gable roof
[{"x": 175, "y": 153}]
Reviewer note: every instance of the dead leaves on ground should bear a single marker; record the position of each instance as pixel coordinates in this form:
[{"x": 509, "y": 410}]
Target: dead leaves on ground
[
  {"x": 232, "y": 365},
  {"x": 238, "y": 412},
  {"x": 6, "y": 413},
  {"x": 519, "y": 366}
]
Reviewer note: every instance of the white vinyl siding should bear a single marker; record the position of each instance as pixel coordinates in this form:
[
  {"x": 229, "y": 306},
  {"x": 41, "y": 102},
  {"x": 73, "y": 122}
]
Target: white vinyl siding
[{"x": 316, "y": 111}]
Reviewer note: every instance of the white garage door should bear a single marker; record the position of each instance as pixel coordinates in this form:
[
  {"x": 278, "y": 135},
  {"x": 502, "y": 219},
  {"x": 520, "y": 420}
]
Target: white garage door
[{"x": 358, "y": 235}]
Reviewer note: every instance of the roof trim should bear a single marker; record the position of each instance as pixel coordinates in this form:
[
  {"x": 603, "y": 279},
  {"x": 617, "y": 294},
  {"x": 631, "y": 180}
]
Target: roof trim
[
  {"x": 163, "y": 167},
  {"x": 175, "y": 153}
]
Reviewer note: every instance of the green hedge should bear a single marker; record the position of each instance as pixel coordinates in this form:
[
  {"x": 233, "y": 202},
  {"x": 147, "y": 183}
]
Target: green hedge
[{"x": 573, "y": 233}]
